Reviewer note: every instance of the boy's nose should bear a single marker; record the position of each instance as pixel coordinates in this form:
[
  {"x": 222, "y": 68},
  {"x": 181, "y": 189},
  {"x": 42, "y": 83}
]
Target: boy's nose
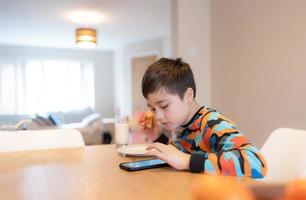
[{"x": 159, "y": 116}]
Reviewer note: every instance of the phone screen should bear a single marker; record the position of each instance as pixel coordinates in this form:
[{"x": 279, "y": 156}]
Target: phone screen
[{"x": 143, "y": 164}]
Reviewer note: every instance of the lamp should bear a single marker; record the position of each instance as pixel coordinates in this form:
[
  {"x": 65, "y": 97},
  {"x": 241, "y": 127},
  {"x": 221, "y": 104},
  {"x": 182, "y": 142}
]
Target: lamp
[{"x": 86, "y": 38}]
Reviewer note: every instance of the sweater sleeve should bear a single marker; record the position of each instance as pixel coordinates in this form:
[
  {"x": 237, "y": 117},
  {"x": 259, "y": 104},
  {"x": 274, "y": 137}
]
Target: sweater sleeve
[{"x": 227, "y": 151}]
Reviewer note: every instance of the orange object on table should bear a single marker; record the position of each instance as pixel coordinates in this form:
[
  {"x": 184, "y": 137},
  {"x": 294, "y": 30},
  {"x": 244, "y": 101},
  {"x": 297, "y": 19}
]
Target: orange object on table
[
  {"x": 209, "y": 187},
  {"x": 295, "y": 190}
]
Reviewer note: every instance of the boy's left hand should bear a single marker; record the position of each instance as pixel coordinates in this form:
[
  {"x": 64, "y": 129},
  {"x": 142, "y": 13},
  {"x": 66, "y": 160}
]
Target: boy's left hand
[{"x": 170, "y": 154}]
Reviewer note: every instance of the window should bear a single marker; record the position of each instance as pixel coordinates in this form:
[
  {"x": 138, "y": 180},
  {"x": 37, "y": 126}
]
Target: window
[{"x": 46, "y": 85}]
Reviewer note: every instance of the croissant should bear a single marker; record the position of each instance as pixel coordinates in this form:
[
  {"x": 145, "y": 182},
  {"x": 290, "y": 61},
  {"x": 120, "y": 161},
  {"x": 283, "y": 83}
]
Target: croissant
[{"x": 149, "y": 119}]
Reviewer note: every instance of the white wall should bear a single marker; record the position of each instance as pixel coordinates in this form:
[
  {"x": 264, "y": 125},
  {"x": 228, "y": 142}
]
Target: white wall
[
  {"x": 119, "y": 94},
  {"x": 160, "y": 47},
  {"x": 103, "y": 61},
  {"x": 259, "y": 66},
  {"x": 191, "y": 41}
]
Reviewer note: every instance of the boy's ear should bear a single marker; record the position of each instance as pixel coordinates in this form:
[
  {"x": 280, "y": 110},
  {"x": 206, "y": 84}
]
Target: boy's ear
[{"x": 188, "y": 95}]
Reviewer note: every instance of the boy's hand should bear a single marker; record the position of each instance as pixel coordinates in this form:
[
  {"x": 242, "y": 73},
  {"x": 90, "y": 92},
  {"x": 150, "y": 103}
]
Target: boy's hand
[
  {"x": 149, "y": 126},
  {"x": 170, "y": 154}
]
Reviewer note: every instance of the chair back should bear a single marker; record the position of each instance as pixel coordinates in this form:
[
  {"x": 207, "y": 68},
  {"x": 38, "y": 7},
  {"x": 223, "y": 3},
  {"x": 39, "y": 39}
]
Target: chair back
[
  {"x": 285, "y": 152},
  {"x": 11, "y": 141}
]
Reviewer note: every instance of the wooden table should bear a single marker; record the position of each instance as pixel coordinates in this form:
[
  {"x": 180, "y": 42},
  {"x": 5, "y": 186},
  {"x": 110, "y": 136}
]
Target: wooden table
[
  {"x": 93, "y": 173},
  {"x": 89, "y": 173}
]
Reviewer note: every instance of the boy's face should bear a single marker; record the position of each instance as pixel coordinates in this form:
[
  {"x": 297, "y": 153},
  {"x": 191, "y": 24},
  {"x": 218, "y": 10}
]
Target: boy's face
[{"x": 169, "y": 109}]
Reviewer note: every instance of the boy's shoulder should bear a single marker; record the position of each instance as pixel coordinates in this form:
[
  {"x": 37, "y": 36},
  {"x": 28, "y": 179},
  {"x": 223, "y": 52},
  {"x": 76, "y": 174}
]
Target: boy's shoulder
[
  {"x": 212, "y": 117},
  {"x": 202, "y": 116},
  {"x": 206, "y": 116},
  {"x": 205, "y": 110},
  {"x": 208, "y": 113}
]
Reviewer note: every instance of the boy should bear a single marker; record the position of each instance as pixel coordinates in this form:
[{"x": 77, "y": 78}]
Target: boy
[{"x": 206, "y": 140}]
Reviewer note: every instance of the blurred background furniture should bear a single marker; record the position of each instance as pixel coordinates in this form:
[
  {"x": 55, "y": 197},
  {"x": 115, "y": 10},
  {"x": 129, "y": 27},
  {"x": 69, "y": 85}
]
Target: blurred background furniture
[
  {"x": 285, "y": 152},
  {"x": 85, "y": 120},
  {"x": 12, "y": 141},
  {"x": 12, "y": 119}
]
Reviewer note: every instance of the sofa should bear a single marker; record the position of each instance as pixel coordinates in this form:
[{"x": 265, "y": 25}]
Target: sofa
[{"x": 86, "y": 120}]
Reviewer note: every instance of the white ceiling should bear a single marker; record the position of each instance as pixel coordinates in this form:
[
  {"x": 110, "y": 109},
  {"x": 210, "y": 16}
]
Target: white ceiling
[{"x": 44, "y": 22}]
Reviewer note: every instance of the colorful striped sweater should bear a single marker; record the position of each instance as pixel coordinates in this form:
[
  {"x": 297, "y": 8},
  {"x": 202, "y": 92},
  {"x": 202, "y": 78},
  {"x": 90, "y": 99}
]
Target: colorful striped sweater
[{"x": 217, "y": 147}]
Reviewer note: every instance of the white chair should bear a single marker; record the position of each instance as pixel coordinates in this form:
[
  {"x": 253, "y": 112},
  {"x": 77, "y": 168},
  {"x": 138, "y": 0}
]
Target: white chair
[
  {"x": 285, "y": 152},
  {"x": 11, "y": 141}
]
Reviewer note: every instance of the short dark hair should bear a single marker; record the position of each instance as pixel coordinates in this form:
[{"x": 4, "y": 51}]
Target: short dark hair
[{"x": 174, "y": 75}]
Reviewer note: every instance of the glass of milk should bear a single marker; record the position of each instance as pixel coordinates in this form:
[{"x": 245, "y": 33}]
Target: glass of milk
[{"x": 121, "y": 133}]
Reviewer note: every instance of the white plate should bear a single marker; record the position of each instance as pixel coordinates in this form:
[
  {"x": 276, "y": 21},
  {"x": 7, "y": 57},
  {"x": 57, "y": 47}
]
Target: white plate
[{"x": 134, "y": 150}]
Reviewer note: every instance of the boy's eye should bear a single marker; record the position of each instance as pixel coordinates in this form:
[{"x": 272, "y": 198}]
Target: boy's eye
[{"x": 163, "y": 107}]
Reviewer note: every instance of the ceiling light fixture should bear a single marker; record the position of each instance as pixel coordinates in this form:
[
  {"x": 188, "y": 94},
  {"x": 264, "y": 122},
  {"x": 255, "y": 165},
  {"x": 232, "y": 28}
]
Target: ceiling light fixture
[{"x": 86, "y": 38}]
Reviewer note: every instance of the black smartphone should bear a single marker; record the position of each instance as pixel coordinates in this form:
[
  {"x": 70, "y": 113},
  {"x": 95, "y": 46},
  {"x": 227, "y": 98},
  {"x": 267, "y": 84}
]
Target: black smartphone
[{"x": 143, "y": 164}]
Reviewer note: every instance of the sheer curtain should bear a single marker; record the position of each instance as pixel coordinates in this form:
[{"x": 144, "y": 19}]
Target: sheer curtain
[{"x": 33, "y": 86}]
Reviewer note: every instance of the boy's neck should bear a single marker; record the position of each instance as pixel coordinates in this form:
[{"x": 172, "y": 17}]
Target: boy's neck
[{"x": 193, "y": 109}]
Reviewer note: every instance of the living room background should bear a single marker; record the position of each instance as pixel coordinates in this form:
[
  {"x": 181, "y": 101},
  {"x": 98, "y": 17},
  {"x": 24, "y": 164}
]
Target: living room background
[{"x": 92, "y": 70}]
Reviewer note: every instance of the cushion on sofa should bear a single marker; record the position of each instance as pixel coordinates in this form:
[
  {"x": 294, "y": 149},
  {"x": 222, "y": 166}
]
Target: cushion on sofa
[
  {"x": 43, "y": 120},
  {"x": 77, "y": 115},
  {"x": 57, "y": 118},
  {"x": 91, "y": 118}
]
